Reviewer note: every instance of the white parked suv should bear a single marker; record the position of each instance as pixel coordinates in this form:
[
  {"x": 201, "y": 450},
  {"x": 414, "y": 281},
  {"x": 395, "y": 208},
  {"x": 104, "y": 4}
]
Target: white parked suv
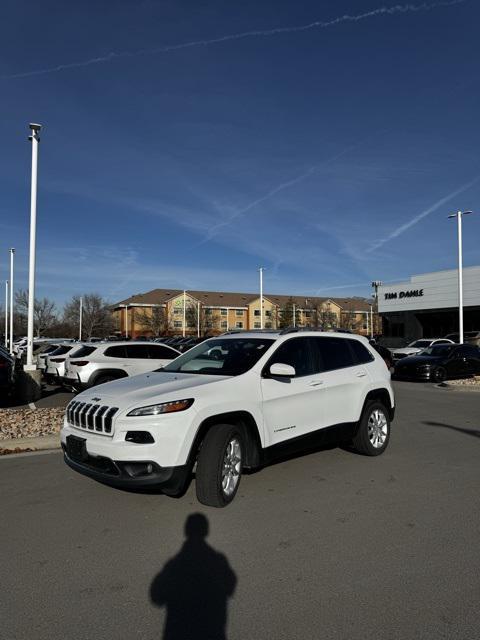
[
  {"x": 229, "y": 404},
  {"x": 417, "y": 346},
  {"x": 53, "y": 365},
  {"x": 96, "y": 363}
]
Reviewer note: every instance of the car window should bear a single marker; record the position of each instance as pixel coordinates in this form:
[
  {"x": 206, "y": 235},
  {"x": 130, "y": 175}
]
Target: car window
[
  {"x": 442, "y": 342},
  {"x": 333, "y": 353},
  {"x": 139, "y": 351},
  {"x": 116, "y": 352},
  {"x": 160, "y": 352},
  {"x": 228, "y": 357},
  {"x": 82, "y": 352},
  {"x": 420, "y": 344},
  {"x": 360, "y": 352},
  {"x": 440, "y": 351},
  {"x": 297, "y": 353},
  {"x": 467, "y": 350},
  {"x": 60, "y": 350}
]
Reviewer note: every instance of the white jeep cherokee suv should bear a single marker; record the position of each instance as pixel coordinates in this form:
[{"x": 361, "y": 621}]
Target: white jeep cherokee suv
[{"x": 227, "y": 405}]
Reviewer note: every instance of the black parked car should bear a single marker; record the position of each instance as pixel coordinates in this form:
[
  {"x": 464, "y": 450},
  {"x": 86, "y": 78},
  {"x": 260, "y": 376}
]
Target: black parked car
[
  {"x": 7, "y": 372},
  {"x": 440, "y": 362}
]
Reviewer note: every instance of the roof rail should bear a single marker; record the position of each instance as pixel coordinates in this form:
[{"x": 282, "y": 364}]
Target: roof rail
[
  {"x": 298, "y": 329},
  {"x": 234, "y": 331}
]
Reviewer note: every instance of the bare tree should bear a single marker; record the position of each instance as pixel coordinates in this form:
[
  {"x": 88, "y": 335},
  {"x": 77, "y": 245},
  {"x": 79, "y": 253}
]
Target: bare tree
[
  {"x": 44, "y": 312},
  {"x": 153, "y": 320},
  {"x": 199, "y": 317},
  {"x": 96, "y": 316},
  {"x": 348, "y": 320}
]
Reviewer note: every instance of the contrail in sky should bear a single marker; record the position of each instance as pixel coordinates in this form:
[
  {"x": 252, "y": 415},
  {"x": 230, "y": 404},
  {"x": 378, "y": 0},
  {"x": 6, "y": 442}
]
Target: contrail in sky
[
  {"x": 396, "y": 9},
  {"x": 215, "y": 229},
  {"x": 424, "y": 214}
]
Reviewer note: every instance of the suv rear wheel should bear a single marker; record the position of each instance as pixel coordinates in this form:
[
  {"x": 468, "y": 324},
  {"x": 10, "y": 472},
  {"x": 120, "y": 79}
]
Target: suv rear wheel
[
  {"x": 219, "y": 465},
  {"x": 373, "y": 431},
  {"x": 103, "y": 379}
]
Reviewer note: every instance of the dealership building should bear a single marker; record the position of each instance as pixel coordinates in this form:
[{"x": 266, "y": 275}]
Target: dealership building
[{"x": 427, "y": 305}]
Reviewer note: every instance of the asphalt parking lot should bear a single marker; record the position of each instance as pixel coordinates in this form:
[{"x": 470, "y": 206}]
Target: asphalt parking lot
[{"x": 327, "y": 545}]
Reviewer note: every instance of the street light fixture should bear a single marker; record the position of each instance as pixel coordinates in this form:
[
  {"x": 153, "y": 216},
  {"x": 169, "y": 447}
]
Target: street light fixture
[{"x": 459, "y": 215}]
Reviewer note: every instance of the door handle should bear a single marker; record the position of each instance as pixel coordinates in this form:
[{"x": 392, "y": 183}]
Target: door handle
[
  {"x": 361, "y": 374},
  {"x": 315, "y": 383}
]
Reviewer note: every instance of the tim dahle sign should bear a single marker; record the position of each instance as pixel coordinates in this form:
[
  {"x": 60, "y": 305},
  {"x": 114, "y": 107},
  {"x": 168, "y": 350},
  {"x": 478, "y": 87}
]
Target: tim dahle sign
[{"x": 413, "y": 293}]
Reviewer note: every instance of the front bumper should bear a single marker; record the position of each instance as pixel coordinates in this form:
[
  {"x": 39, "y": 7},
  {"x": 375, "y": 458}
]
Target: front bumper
[{"x": 124, "y": 474}]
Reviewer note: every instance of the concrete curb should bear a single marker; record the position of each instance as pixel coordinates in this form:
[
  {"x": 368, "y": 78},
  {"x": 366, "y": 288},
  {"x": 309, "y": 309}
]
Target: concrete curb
[
  {"x": 38, "y": 443},
  {"x": 458, "y": 387}
]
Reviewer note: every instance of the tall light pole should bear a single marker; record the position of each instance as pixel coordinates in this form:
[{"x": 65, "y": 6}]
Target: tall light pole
[
  {"x": 184, "y": 311},
  {"x": 6, "y": 314},
  {"x": 35, "y": 139},
  {"x": 261, "y": 269},
  {"x": 126, "y": 321},
  {"x": 294, "y": 315},
  {"x": 371, "y": 322},
  {"x": 80, "y": 319},
  {"x": 375, "y": 285},
  {"x": 198, "y": 319},
  {"x": 459, "y": 215},
  {"x": 12, "y": 253}
]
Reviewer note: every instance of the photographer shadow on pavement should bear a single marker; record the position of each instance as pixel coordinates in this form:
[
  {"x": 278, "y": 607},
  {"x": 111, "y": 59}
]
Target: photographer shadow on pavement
[{"x": 194, "y": 587}]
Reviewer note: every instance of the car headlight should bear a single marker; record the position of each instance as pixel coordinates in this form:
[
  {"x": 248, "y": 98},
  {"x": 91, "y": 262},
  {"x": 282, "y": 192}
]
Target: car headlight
[{"x": 164, "y": 407}]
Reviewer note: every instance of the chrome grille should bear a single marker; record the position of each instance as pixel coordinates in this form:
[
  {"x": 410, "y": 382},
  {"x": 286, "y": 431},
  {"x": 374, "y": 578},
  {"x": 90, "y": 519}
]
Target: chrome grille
[{"x": 91, "y": 417}]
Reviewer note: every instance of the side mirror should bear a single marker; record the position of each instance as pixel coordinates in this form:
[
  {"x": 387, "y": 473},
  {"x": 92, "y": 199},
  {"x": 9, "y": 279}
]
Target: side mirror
[{"x": 282, "y": 370}]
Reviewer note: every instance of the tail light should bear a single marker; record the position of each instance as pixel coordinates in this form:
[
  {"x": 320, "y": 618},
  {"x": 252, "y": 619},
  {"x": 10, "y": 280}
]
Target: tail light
[
  {"x": 79, "y": 363},
  {"x": 57, "y": 359}
]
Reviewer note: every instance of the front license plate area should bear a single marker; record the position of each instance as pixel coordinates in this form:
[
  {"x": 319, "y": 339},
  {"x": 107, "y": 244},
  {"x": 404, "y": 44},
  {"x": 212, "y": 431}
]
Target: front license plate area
[{"x": 77, "y": 448}]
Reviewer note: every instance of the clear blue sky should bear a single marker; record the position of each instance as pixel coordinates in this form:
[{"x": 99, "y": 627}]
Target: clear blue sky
[{"x": 325, "y": 154}]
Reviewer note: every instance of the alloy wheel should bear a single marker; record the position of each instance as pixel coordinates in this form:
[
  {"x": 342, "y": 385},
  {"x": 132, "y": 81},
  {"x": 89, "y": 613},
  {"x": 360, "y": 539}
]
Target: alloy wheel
[
  {"x": 377, "y": 428},
  {"x": 232, "y": 466}
]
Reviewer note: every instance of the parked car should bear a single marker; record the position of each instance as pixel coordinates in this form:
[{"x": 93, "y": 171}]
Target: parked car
[
  {"x": 229, "y": 404},
  {"x": 55, "y": 362},
  {"x": 98, "y": 363},
  {"x": 21, "y": 347},
  {"x": 417, "y": 346},
  {"x": 440, "y": 362},
  {"x": 7, "y": 373},
  {"x": 42, "y": 352}
]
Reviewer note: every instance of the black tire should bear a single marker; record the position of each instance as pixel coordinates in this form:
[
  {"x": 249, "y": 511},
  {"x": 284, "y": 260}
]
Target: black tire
[
  {"x": 364, "y": 439},
  {"x": 440, "y": 374},
  {"x": 210, "y": 463},
  {"x": 103, "y": 379}
]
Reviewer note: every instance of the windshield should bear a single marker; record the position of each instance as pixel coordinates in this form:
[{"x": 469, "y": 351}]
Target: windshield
[
  {"x": 227, "y": 357},
  {"x": 420, "y": 344},
  {"x": 439, "y": 350}
]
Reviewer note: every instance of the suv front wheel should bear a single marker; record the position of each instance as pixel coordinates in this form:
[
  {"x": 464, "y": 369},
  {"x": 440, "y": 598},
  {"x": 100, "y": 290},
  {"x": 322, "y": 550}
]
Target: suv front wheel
[
  {"x": 219, "y": 465},
  {"x": 373, "y": 431}
]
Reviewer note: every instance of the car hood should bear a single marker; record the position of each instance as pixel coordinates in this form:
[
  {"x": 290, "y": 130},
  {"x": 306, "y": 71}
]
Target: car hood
[
  {"x": 147, "y": 388},
  {"x": 407, "y": 350}
]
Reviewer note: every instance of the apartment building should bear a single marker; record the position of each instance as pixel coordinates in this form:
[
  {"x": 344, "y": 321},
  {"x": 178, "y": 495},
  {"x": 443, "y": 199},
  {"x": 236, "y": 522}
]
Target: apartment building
[{"x": 172, "y": 311}]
